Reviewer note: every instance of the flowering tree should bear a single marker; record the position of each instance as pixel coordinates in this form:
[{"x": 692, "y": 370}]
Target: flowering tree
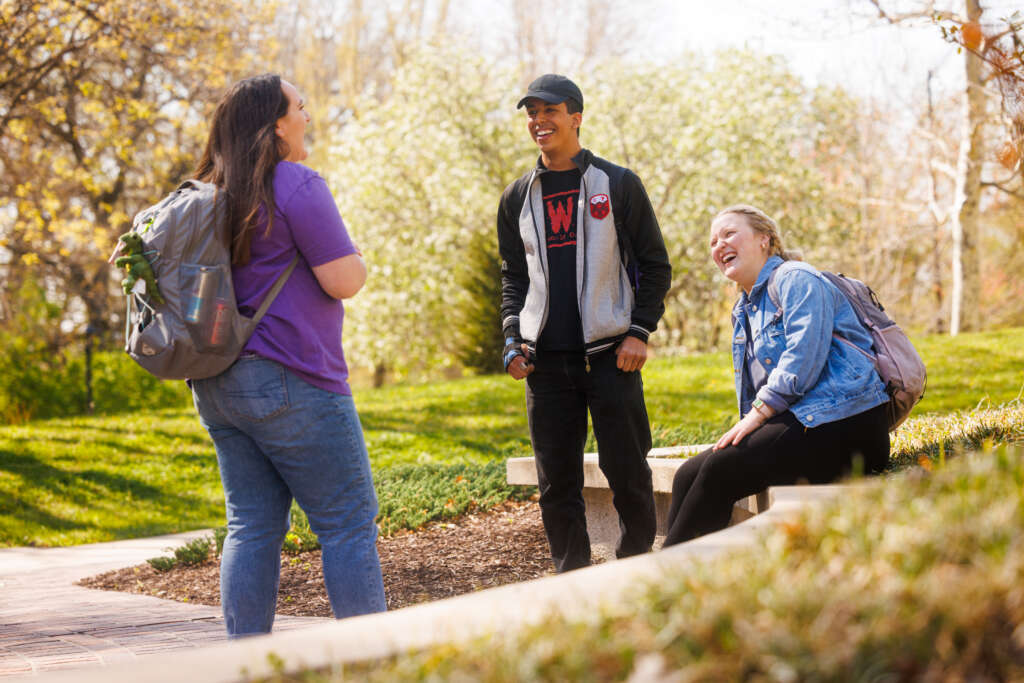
[
  {"x": 419, "y": 177},
  {"x": 101, "y": 108},
  {"x": 702, "y": 134}
]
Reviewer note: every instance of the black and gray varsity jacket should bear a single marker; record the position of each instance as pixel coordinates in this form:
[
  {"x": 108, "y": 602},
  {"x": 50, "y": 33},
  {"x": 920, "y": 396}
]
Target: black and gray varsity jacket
[{"x": 622, "y": 267}]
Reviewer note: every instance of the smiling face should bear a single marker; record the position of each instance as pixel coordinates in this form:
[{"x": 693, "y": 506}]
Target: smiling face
[
  {"x": 738, "y": 250},
  {"x": 291, "y": 128},
  {"x": 553, "y": 128}
]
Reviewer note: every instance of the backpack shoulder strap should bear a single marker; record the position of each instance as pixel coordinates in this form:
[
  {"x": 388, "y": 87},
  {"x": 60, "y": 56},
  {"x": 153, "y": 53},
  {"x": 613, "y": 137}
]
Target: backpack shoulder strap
[
  {"x": 275, "y": 290},
  {"x": 615, "y": 177},
  {"x": 772, "y": 286}
]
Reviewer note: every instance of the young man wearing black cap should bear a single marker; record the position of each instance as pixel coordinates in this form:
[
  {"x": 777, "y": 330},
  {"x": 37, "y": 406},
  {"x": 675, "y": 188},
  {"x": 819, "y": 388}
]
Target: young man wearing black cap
[{"x": 584, "y": 276}]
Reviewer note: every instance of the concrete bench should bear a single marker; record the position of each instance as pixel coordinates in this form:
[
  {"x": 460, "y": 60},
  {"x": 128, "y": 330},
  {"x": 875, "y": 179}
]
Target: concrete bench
[{"x": 603, "y": 520}]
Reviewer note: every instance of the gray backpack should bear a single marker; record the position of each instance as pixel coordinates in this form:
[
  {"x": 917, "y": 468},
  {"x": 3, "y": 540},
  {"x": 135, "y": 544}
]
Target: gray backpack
[
  {"x": 196, "y": 331},
  {"x": 895, "y": 358}
]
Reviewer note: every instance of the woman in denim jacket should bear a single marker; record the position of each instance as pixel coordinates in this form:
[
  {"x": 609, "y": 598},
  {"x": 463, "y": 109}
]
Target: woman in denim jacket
[{"x": 812, "y": 405}]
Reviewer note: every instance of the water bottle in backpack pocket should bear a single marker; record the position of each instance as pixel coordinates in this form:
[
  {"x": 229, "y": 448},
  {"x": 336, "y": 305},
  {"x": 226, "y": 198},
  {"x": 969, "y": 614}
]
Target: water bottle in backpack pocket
[{"x": 208, "y": 305}]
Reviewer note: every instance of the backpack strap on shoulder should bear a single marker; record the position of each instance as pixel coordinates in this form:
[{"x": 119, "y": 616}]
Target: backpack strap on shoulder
[
  {"x": 615, "y": 176},
  {"x": 275, "y": 290},
  {"x": 771, "y": 289}
]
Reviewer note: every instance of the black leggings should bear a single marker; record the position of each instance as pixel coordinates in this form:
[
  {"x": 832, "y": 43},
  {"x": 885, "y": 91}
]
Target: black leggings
[{"x": 780, "y": 452}]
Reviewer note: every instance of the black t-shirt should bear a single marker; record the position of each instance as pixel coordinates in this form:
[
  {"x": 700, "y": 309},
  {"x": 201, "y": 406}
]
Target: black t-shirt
[{"x": 563, "y": 330}]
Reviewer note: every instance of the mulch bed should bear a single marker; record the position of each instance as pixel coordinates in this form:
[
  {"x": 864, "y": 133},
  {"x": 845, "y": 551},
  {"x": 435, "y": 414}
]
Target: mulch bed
[{"x": 505, "y": 544}]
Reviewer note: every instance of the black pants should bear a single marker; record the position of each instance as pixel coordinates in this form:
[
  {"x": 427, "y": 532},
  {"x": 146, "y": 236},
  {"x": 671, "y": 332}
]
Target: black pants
[
  {"x": 781, "y": 452},
  {"x": 558, "y": 394}
]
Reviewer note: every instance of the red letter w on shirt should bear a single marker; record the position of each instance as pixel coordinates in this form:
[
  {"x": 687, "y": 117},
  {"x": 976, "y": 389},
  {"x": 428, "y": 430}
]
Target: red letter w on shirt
[{"x": 559, "y": 214}]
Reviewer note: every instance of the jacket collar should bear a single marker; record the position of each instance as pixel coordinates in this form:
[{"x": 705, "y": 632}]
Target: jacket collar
[
  {"x": 767, "y": 269},
  {"x": 757, "y": 291},
  {"x": 582, "y": 161}
]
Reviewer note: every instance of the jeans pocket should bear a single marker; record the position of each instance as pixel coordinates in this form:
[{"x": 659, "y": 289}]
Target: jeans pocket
[{"x": 254, "y": 389}]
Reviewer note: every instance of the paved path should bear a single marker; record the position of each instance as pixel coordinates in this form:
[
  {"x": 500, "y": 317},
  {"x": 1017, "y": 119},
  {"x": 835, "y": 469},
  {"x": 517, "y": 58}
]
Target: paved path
[{"x": 47, "y": 623}]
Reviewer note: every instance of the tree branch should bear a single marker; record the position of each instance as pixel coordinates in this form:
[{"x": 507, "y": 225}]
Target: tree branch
[
  {"x": 897, "y": 18},
  {"x": 998, "y": 186}
]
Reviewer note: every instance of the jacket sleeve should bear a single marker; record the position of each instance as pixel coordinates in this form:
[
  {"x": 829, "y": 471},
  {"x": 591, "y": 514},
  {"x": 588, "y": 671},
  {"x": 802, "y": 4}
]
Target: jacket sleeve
[
  {"x": 515, "y": 279},
  {"x": 654, "y": 272}
]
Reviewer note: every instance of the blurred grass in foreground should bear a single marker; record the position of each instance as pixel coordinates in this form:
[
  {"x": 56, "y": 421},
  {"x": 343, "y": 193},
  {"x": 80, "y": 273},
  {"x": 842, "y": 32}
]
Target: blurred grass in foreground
[{"x": 915, "y": 576}]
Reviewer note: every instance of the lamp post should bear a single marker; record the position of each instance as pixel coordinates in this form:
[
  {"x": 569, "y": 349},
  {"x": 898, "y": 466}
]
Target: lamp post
[{"x": 90, "y": 332}]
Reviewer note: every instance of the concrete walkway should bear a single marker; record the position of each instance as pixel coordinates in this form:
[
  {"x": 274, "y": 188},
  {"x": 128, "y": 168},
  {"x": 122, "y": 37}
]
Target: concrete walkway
[{"x": 47, "y": 623}]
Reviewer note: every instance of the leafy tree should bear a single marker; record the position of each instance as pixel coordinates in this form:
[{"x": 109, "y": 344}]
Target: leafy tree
[
  {"x": 101, "y": 109},
  {"x": 418, "y": 176},
  {"x": 703, "y": 134},
  {"x": 477, "y": 323},
  {"x": 31, "y": 367},
  {"x": 999, "y": 45},
  {"x": 341, "y": 52}
]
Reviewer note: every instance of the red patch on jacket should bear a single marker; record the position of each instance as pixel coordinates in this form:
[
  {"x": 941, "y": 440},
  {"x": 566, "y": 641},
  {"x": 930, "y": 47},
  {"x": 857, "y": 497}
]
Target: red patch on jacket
[{"x": 600, "y": 206}]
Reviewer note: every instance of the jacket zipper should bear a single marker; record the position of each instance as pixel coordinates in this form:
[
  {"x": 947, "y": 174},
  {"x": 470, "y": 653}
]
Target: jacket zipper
[
  {"x": 582, "y": 222},
  {"x": 541, "y": 245}
]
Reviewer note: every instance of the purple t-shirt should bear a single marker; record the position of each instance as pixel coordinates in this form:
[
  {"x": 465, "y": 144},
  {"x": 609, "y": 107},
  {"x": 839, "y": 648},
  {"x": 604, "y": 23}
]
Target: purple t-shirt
[{"x": 302, "y": 328}]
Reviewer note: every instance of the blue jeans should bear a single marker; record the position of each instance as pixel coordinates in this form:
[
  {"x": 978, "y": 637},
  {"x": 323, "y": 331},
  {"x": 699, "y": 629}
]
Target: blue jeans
[{"x": 277, "y": 436}]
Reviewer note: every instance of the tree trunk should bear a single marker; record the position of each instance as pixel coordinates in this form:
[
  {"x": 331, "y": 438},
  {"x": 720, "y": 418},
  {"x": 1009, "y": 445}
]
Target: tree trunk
[
  {"x": 966, "y": 288},
  {"x": 939, "y": 219},
  {"x": 380, "y": 374}
]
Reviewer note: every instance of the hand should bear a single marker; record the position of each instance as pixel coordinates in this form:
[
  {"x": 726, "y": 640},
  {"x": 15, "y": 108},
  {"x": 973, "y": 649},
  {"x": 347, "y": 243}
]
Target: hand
[
  {"x": 520, "y": 367},
  {"x": 631, "y": 354},
  {"x": 746, "y": 426}
]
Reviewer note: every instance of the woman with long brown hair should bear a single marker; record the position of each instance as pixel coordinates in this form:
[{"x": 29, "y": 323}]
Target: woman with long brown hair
[{"x": 282, "y": 416}]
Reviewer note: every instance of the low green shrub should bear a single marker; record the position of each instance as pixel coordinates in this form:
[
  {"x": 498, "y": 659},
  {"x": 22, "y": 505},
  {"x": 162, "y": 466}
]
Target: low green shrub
[
  {"x": 36, "y": 383},
  {"x": 32, "y": 363},
  {"x": 300, "y": 538},
  {"x": 162, "y": 564},
  {"x": 915, "y": 576},
  {"x": 409, "y": 496},
  {"x": 932, "y": 437},
  {"x": 43, "y": 369},
  {"x": 194, "y": 552},
  {"x": 219, "y": 534},
  {"x": 119, "y": 384}
]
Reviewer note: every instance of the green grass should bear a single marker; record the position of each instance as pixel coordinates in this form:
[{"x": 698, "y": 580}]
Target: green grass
[
  {"x": 908, "y": 578},
  {"x": 80, "y": 480},
  {"x": 971, "y": 370},
  {"x": 469, "y": 420},
  {"x": 87, "y": 479}
]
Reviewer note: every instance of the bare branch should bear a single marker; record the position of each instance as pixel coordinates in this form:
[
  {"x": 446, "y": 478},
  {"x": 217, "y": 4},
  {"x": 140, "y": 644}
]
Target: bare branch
[{"x": 998, "y": 186}]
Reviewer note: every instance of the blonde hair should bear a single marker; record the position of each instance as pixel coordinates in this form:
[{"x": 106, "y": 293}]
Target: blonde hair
[{"x": 761, "y": 222}]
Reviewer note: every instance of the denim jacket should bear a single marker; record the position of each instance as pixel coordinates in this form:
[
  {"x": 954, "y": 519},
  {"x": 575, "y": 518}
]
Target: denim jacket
[{"x": 816, "y": 353}]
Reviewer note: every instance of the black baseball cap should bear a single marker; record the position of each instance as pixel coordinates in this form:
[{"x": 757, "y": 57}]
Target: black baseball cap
[{"x": 554, "y": 89}]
